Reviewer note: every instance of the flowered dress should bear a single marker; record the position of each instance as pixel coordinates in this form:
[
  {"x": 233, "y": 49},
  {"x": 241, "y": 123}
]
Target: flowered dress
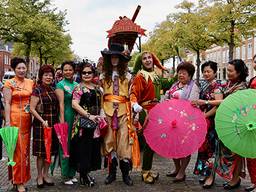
[
  {"x": 226, "y": 160},
  {"x": 204, "y": 163},
  {"x": 85, "y": 153}
]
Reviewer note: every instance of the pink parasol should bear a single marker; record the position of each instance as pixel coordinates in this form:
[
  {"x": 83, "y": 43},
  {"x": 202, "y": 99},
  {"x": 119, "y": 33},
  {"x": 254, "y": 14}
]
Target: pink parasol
[
  {"x": 61, "y": 130},
  {"x": 175, "y": 128},
  {"x": 48, "y": 143}
]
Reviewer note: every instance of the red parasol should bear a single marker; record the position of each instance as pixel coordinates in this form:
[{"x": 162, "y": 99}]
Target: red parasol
[
  {"x": 48, "y": 143},
  {"x": 175, "y": 128},
  {"x": 61, "y": 130}
]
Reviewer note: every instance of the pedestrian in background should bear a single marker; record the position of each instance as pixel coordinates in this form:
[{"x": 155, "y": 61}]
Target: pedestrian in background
[
  {"x": 45, "y": 107},
  {"x": 17, "y": 92},
  {"x": 1, "y": 118}
]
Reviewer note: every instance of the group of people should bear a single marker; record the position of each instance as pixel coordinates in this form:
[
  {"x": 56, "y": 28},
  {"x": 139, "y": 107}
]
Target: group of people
[{"x": 123, "y": 102}]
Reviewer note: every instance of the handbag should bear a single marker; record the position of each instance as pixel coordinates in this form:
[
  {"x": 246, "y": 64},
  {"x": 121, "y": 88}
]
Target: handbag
[{"x": 86, "y": 123}]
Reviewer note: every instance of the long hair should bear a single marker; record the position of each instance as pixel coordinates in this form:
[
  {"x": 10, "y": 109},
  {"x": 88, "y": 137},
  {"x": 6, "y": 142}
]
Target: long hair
[{"x": 108, "y": 69}]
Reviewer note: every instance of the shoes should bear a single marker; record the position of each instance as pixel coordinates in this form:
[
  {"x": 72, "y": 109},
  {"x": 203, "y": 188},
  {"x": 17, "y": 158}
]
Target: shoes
[
  {"x": 147, "y": 177},
  {"x": 17, "y": 190},
  {"x": 179, "y": 180},
  {"x": 205, "y": 186},
  {"x": 171, "y": 174},
  {"x": 230, "y": 187},
  {"x": 86, "y": 180},
  {"x": 202, "y": 180},
  {"x": 39, "y": 186},
  {"x": 250, "y": 188},
  {"x": 154, "y": 175},
  {"x": 69, "y": 182},
  {"x": 74, "y": 180},
  {"x": 48, "y": 183}
]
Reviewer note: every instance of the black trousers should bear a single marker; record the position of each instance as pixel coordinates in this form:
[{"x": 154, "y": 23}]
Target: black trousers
[
  {"x": 148, "y": 155},
  {"x": 1, "y": 145}
]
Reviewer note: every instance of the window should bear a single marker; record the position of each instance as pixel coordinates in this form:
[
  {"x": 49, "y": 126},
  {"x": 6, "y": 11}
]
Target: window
[
  {"x": 237, "y": 53},
  {"x": 249, "y": 51},
  {"x": 243, "y": 52}
]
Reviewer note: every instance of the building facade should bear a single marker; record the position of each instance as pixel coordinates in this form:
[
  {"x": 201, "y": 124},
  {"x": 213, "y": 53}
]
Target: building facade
[{"x": 5, "y": 58}]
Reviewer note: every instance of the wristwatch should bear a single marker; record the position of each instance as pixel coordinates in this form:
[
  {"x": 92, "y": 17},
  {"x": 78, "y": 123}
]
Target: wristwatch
[{"x": 206, "y": 102}]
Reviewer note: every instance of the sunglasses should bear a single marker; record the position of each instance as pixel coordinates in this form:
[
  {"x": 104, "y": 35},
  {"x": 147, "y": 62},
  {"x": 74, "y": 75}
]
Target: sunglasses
[{"x": 86, "y": 72}]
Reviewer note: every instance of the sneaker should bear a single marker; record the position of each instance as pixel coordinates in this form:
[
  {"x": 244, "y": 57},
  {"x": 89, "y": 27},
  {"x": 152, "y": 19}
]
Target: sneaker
[
  {"x": 4, "y": 159},
  {"x": 74, "y": 180},
  {"x": 69, "y": 182}
]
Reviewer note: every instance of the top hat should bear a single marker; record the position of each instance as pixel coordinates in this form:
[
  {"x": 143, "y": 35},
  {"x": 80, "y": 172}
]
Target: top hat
[{"x": 116, "y": 49}]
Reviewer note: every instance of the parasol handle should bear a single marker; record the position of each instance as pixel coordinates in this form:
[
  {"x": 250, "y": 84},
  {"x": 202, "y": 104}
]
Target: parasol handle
[{"x": 251, "y": 126}]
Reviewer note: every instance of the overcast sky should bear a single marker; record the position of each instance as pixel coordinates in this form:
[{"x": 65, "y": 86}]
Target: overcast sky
[{"x": 90, "y": 19}]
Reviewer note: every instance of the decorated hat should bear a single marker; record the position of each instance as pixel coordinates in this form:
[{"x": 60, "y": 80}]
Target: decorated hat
[
  {"x": 138, "y": 62},
  {"x": 116, "y": 49}
]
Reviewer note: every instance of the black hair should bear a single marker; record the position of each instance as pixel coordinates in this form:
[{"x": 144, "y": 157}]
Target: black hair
[
  {"x": 15, "y": 61},
  {"x": 189, "y": 67},
  {"x": 87, "y": 64},
  {"x": 71, "y": 63},
  {"x": 213, "y": 65},
  {"x": 240, "y": 68}
]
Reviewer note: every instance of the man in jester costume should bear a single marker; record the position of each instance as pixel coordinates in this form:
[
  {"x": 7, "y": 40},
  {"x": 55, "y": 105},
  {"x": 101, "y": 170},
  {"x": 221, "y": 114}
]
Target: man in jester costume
[
  {"x": 120, "y": 139},
  {"x": 145, "y": 94}
]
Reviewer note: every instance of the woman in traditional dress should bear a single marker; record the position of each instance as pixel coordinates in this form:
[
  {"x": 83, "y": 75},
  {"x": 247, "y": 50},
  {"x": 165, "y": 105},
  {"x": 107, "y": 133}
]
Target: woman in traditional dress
[
  {"x": 17, "y": 92},
  {"x": 229, "y": 164},
  {"x": 85, "y": 144},
  {"x": 186, "y": 89},
  {"x": 64, "y": 91},
  {"x": 251, "y": 163},
  {"x": 44, "y": 107},
  {"x": 209, "y": 90}
]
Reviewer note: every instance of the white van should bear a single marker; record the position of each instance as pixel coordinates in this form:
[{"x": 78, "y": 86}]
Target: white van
[{"x": 8, "y": 75}]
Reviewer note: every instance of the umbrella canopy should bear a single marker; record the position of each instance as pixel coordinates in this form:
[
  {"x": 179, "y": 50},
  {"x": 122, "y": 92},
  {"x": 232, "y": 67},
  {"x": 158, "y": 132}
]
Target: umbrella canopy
[
  {"x": 48, "y": 143},
  {"x": 10, "y": 136},
  {"x": 235, "y": 122},
  {"x": 61, "y": 130},
  {"x": 175, "y": 128}
]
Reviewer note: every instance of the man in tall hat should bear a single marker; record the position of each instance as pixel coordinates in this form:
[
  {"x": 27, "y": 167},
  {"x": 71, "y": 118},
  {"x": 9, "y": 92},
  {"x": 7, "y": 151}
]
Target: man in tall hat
[
  {"x": 115, "y": 81},
  {"x": 145, "y": 94}
]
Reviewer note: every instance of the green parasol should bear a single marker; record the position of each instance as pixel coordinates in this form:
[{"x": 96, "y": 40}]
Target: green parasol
[
  {"x": 235, "y": 122},
  {"x": 10, "y": 136}
]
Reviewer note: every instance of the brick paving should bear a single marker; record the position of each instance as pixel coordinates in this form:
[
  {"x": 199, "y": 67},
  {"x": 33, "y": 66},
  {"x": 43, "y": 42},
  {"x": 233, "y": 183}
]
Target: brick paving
[{"x": 163, "y": 184}]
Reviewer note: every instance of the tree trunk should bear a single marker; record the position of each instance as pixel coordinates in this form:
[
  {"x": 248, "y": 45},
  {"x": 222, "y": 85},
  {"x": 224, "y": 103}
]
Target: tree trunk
[
  {"x": 40, "y": 56},
  {"x": 45, "y": 60},
  {"x": 231, "y": 44},
  {"x": 198, "y": 62},
  {"x": 27, "y": 56},
  {"x": 173, "y": 64},
  {"x": 178, "y": 52}
]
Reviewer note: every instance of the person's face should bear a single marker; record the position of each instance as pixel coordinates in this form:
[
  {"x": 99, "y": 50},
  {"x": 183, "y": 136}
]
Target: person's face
[
  {"x": 208, "y": 73},
  {"x": 87, "y": 75},
  {"x": 21, "y": 70},
  {"x": 254, "y": 63},
  {"x": 233, "y": 75},
  {"x": 147, "y": 61},
  {"x": 47, "y": 78},
  {"x": 183, "y": 76},
  {"x": 114, "y": 60},
  {"x": 68, "y": 71}
]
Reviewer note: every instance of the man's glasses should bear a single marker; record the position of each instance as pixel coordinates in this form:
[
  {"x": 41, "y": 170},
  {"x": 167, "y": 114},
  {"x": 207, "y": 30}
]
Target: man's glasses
[{"x": 86, "y": 72}]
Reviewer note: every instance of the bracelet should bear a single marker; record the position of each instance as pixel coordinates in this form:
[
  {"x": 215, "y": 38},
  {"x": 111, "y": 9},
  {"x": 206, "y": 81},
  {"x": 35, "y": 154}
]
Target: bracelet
[
  {"x": 88, "y": 115},
  {"x": 206, "y": 102}
]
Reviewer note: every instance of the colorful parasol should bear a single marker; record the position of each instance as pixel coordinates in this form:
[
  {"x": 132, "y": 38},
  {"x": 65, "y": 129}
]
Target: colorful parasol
[
  {"x": 61, "y": 130},
  {"x": 175, "y": 128},
  {"x": 48, "y": 143},
  {"x": 235, "y": 122},
  {"x": 10, "y": 136}
]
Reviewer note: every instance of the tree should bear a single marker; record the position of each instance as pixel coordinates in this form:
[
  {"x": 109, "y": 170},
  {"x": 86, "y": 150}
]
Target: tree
[
  {"x": 29, "y": 21},
  {"x": 230, "y": 21}
]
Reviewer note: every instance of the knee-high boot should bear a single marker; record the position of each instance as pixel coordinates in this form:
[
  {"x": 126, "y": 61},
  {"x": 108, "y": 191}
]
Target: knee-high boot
[
  {"x": 125, "y": 167},
  {"x": 112, "y": 172}
]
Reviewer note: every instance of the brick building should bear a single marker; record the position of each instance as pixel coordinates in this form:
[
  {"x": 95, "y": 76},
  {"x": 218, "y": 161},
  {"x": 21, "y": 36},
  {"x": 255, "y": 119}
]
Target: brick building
[{"x": 5, "y": 58}]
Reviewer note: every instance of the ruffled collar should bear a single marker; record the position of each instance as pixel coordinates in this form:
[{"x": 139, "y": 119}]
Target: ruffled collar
[{"x": 152, "y": 75}]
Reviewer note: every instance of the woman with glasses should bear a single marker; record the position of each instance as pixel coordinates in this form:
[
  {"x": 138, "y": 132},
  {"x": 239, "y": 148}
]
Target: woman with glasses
[{"x": 86, "y": 102}]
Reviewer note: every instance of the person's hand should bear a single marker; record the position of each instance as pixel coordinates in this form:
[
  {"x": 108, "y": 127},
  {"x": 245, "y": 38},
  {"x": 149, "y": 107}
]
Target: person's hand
[
  {"x": 137, "y": 108},
  {"x": 45, "y": 123},
  {"x": 94, "y": 118},
  {"x": 7, "y": 123},
  {"x": 199, "y": 102}
]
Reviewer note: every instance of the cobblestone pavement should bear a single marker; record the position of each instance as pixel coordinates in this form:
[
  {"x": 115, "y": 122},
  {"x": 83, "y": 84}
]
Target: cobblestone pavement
[{"x": 163, "y": 184}]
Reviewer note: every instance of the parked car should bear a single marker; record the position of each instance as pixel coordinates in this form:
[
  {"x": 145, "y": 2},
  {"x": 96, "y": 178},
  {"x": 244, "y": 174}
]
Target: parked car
[{"x": 8, "y": 75}]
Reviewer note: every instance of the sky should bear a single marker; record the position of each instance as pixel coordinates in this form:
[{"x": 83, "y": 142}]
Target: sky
[{"x": 90, "y": 19}]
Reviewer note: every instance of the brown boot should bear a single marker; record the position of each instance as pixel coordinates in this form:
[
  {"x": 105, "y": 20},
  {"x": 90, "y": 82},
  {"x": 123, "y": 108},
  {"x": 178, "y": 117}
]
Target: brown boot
[{"x": 147, "y": 177}]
